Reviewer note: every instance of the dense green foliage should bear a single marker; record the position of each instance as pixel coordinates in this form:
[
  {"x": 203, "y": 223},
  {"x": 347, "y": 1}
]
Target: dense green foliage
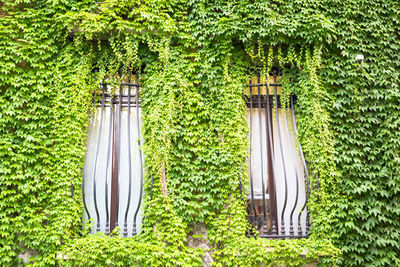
[
  {"x": 366, "y": 120},
  {"x": 194, "y": 58}
]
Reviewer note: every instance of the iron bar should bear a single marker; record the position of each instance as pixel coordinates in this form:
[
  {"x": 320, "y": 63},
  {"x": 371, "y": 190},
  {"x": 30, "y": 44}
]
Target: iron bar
[
  {"x": 141, "y": 161},
  {"x": 271, "y": 168},
  {"x": 128, "y": 83},
  {"x": 119, "y": 146},
  {"x": 262, "y": 84},
  {"x": 305, "y": 171},
  {"x": 86, "y": 157},
  {"x": 291, "y": 230},
  {"x": 280, "y": 236},
  {"x": 129, "y": 164},
  {"x": 251, "y": 176},
  {"x": 254, "y": 99},
  {"x": 261, "y": 158},
  {"x": 107, "y": 228},
  {"x": 96, "y": 159},
  {"x": 115, "y": 173},
  {"x": 283, "y": 160},
  {"x": 124, "y": 99}
]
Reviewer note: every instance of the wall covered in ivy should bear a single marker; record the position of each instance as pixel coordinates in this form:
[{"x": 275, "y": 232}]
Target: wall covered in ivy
[{"x": 193, "y": 58}]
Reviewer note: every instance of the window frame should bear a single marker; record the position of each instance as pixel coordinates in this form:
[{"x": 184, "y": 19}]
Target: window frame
[
  {"x": 115, "y": 97},
  {"x": 266, "y": 223}
]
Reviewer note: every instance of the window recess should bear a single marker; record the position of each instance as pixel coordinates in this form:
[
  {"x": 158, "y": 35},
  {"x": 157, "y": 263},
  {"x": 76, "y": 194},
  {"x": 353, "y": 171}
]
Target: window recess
[
  {"x": 112, "y": 183},
  {"x": 279, "y": 184}
]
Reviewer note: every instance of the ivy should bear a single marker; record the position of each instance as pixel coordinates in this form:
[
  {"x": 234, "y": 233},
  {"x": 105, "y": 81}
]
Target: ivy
[{"x": 194, "y": 58}]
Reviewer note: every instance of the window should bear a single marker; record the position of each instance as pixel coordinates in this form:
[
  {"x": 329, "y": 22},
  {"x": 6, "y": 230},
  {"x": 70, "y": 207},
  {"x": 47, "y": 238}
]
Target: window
[
  {"x": 278, "y": 189},
  {"x": 113, "y": 174}
]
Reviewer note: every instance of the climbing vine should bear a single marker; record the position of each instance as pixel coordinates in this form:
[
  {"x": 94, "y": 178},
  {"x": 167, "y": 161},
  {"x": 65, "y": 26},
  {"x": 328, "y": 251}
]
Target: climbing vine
[{"x": 193, "y": 58}]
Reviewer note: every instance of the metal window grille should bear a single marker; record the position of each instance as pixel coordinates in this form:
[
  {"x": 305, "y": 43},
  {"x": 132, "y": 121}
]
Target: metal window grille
[
  {"x": 113, "y": 173},
  {"x": 279, "y": 183}
]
